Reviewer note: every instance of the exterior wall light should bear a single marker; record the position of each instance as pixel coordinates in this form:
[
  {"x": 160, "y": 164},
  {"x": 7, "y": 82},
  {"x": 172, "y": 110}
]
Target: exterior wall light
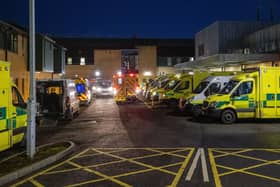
[{"x": 147, "y": 73}]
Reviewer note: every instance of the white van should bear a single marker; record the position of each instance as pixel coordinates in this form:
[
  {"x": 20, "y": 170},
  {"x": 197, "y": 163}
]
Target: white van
[
  {"x": 57, "y": 98},
  {"x": 209, "y": 86}
]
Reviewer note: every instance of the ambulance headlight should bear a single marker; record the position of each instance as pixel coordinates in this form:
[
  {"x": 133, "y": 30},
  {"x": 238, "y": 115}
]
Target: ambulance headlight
[
  {"x": 189, "y": 100},
  {"x": 137, "y": 90},
  {"x": 111, "y": 89},
  {"x": 98, "y": 89},
  {"x": 115, "y": 91},
  {"x": 213, "y": 104}
]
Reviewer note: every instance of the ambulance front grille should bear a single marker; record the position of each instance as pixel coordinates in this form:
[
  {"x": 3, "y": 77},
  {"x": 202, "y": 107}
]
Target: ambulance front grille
[{"x": 205, "y": 104}]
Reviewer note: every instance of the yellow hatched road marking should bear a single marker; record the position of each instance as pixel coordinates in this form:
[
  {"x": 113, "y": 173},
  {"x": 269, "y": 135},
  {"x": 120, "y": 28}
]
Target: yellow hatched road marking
[
  {"x": 60, "y": 171},
  {"x": 36, "y": 183},
  {"x": 230, "y": 153},
  {"x": 134, "y": 158},
  {"x": 242, "y": 148},
  {"x": 123, "y": 175},
  {"x": 46, "y": 170},
  {"x": 141, "y": 148},
  {"x": 99, "y": 174},
  {"x": 273, "y": 150},
  {"x": 251, "y": 167},
  {"x": 96, "y": 154},
  {"x": 214, "y": 168},
  {"x": 170, "y": 153},
  {"x": 237, "y": 152},
  {"x": 181, "y": 170},
  {"x": 136, "y": 162},
  {"x": 86, "y": 182},
  {"x": 244, "y": 156},
  {"x": 249, "y": 173}
]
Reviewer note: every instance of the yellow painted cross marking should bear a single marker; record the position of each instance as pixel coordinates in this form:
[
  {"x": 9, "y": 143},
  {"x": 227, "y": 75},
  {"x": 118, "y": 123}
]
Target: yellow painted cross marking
[
  {"x": 214, "y": 169},
  {"x": 99, "y": 174},
  {"x": 44, "y": 171},
  {"x": 113, "y": 153},
  {"x": 238, "y": 153}
]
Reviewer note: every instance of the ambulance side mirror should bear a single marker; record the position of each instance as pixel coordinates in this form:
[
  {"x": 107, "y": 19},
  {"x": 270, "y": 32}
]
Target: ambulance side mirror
[{"x": 23, "y": 105}]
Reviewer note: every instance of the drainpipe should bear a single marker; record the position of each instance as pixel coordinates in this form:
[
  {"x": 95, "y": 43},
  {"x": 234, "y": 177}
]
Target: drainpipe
[{"x": 6, "y": 44}]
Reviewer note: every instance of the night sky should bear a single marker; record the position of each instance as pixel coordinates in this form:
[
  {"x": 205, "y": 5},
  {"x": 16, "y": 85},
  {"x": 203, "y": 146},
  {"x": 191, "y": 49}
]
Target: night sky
[{"x": 133, "y": 18}]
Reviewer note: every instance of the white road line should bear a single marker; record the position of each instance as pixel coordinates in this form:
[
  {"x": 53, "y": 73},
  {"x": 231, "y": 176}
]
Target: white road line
[
  {"x": 193, "y": 166},
  {"x": 200, "y": 153},
  {"x": 204, "y": 166}
]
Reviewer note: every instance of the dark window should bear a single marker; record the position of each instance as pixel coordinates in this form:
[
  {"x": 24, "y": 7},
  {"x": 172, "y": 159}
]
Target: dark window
[
  {"x": 171, "y": 61},
  {"x": 184, "y": 85},
  {"x": 16, "y": 98},
  {"x": 22, "y": 86},
  {"x": 22, "y": 44},
  {"x": 245, "y": 88},
  {"x": 2, "y": 40},
  {"x": 201, "y": 50},
  {"x": 13, "y": 42},
  {"x": 16, "y": 81},
  {"x": 213, "y": 89},
  {"x": 202, "y": 85}
]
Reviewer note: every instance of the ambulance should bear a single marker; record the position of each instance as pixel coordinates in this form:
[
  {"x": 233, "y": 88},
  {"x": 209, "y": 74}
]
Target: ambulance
[
  {"x": 187, "y": 82},
  {"x": 254, "y": 94},
  {"x": 13, "y": 110},
  {"x": 158, "y": 82},
  {"x": 168, "y": 84},
  {"x": 125, "y": 87},
  {"x": 84, "y": 91},
  {"x": 211, "y": 85}
]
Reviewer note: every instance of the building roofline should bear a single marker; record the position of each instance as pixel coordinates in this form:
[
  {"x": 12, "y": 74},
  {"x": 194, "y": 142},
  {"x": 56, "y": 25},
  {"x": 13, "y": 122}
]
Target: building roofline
[{"x": 15, "y": 27}]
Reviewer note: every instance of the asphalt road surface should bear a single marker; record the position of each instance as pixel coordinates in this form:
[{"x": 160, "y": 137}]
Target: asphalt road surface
[{"x": 136, "y": 145}]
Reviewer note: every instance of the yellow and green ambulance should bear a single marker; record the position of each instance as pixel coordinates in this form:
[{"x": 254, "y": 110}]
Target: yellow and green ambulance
[
  {"x": 247, "y": 95},
  {"x": 13, "y": 114},
  {"x": 187, "y": 83}
]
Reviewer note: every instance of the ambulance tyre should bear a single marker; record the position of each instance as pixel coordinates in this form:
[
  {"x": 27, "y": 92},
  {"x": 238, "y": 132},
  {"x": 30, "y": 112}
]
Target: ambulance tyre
[{"x": 228, "y": 116}]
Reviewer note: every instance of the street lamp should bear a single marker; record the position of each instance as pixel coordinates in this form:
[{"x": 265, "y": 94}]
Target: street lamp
[{"x": 31, "y": 126}]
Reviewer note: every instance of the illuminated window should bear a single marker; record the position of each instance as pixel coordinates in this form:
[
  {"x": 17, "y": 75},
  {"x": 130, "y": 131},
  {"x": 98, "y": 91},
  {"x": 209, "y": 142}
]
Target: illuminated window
[
  {"x": 69, "y": 60},
  {"x": 83, "y": 61}
]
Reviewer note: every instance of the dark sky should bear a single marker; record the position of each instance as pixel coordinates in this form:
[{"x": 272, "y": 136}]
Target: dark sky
[{"x": 127, "y": 18}]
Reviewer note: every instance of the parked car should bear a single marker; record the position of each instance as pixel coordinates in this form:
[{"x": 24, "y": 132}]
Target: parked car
[{"x": 57, "y": 99}]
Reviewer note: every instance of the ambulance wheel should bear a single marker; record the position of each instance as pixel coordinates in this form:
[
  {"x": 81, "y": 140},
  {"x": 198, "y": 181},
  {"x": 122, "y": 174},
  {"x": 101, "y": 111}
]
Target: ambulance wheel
[
  {"x": 228, "y": 116},
  {"x": 196, "y": 112}
]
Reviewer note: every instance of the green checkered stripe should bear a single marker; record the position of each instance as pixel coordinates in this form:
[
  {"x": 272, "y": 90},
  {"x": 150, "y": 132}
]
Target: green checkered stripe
[
  {"x": 10, "y": 122},
  {"x": 270, "y": 100},
  {"x": 3, "y": 117}
]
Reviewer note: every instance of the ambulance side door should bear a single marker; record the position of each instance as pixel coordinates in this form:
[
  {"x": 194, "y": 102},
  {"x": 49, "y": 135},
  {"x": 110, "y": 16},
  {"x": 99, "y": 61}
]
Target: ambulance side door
[
  {"x": 19, "y": 116},
  {"x": 268, "y": 93},
  {"x": 244, "y": 99},
  {"x": 5, "y": 133}
]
